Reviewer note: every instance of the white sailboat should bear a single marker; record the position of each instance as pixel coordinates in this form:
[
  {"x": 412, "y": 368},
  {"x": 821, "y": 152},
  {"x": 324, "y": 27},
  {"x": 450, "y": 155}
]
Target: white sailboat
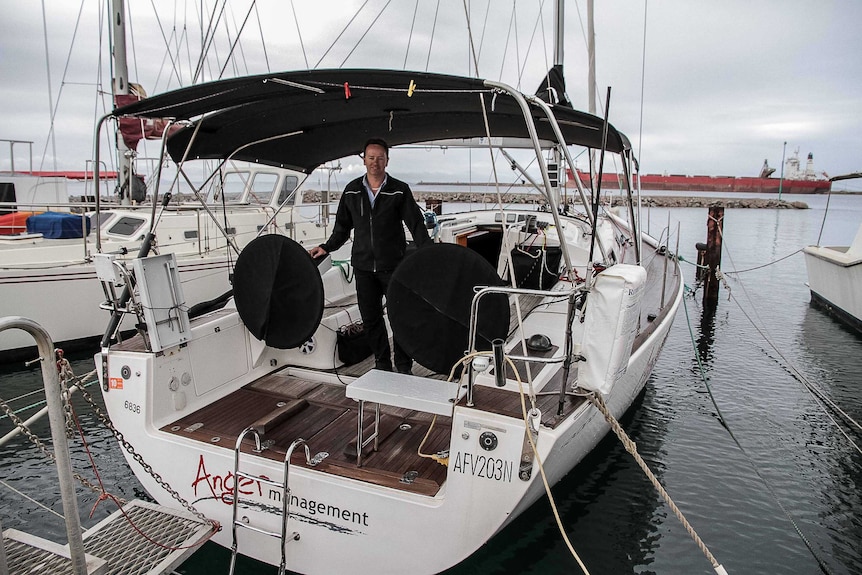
[
  {"x": 48, "y": 274},
  {"x": 522, "y": 322},
  {"x": 36, "y": 268}
]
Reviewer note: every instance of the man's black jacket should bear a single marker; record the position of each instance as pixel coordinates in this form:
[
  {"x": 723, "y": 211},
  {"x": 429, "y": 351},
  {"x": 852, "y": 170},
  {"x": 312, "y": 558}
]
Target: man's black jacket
[{"x": 379, "y": 242}]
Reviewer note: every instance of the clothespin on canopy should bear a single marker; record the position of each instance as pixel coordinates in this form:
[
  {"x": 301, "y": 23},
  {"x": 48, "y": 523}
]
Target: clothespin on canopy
[{"x": 411, "y": 88}]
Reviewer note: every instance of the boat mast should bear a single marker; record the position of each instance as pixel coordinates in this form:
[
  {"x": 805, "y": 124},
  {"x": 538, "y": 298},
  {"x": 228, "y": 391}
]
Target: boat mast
[
  {"x": 559, "y": 13},
  {"x": 591, "y": 53},
  {"x": 591, "y": 80},
  {"x": 120, "y": 86},
  {"x": 559, "y": 175}
]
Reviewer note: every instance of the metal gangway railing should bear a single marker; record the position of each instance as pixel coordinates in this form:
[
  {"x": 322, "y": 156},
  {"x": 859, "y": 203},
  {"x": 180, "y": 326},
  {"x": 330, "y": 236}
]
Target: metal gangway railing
[{"x": 115, "y": 544}]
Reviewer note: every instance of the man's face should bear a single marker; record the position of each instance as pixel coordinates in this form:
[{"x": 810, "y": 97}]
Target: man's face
[{"x": 376, "y": 160}]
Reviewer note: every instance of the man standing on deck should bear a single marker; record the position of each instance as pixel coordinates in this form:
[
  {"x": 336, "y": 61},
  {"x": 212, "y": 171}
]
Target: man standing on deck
[{"x": 374, "y": 207}]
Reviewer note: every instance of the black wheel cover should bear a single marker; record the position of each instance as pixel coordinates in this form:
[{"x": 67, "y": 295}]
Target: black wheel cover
[
  {"x": 429, "y": 302},
  {"x": 278, "y": 291}
]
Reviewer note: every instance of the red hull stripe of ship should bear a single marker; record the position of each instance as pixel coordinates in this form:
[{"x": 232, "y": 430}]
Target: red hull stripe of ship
[{"x": 717, "y": 184}]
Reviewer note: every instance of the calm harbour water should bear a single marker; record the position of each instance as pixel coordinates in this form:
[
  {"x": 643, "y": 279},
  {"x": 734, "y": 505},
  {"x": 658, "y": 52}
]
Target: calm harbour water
[{"x": 784, "y": 500}]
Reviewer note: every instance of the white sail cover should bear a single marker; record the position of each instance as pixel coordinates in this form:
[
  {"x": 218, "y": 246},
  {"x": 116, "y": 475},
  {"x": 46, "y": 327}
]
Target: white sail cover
[{"x": 612, "y": 312}]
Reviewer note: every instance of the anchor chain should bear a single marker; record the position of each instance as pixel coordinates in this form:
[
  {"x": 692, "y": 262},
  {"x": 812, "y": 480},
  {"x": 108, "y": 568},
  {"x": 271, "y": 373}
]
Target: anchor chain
[
  {"x": 117, "y": 434},
  {"x": 65, "y": 373},
  {"x": 19, "y": 423},
  {"x": 144, "y": 465}
]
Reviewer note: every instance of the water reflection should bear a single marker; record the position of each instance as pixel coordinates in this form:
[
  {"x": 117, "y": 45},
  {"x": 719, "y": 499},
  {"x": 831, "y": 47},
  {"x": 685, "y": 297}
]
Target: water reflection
[
  {"x": 706, "y": 336},
  {"x": 25, "y": 468},
  {"x": 607, "y": 507}
]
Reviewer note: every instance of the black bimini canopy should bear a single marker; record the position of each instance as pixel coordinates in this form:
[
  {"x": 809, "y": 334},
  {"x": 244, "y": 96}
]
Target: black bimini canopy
[{"x": 302, "y": 119}]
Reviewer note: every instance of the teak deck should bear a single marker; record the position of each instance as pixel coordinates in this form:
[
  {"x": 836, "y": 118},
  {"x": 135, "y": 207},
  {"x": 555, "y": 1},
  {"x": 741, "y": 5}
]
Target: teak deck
[{"x": 325, "y": 418}]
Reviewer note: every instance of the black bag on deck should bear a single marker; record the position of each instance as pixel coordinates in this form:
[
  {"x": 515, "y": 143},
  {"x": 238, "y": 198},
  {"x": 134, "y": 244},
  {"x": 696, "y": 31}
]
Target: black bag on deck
[
  {"x": 352, "y": 343},
  {"x": 536, "y": 267}
]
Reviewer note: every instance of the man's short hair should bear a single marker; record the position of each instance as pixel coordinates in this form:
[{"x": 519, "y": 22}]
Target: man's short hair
[{"x": 376, "y": 142}]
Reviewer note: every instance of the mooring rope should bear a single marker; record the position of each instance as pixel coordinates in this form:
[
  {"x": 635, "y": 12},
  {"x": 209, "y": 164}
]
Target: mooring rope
[
  {"x": 631, "y": 447},
  {"x": 810, "y": 386},
  {"x": 30, "y": 499},
  {"x": 445, "y": 460},
  {"x": 535, "y": 449},
  {"x": 819, "y": 395},
  {"x": 764, "y": 265}
]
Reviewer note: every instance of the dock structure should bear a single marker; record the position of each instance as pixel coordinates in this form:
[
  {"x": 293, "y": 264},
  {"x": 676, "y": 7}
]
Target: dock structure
[
  {"x": 140, "y": 538},
  {"x": 116, "y": 545}
]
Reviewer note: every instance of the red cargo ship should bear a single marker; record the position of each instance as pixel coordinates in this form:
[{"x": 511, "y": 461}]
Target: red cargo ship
[{"x": 795, "y": 181}]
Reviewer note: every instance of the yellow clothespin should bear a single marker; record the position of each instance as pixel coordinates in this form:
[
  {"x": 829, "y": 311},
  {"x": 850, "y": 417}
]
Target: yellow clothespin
[{"x": 410, "y": 89}]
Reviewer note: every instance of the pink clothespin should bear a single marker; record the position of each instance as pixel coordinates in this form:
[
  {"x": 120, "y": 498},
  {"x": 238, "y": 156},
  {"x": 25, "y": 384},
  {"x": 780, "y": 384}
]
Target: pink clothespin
[{"x": 346, "y": 91}]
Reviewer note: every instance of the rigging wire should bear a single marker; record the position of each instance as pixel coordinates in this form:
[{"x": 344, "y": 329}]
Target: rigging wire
[
  {"x": 236, "y": 61},
  {"x": 431, "y": 41},
  {"x": 209, "y": 38},
  {"x": 213, "y": 46},
  {"x": 517, "y": 40},
  {"x": 262, "y": 39},
  {"x": 299, "y": 35},
  {"x": 506, "y": 45},
  {"x": 643, "y": 89},
  {"x": 169, "y": 52},
  {"x": 364, "y": 34},
  {"x": 545, "y": 41},
  {"x": 229, "y": 56},
  {"x": 184, "y": 40},
  {"x": 523, "y": 69},
  {"x": 101, "y": 92},
  {"x": 583, "y": 32},
  {"x": 723, "y": 421},
  {"x": 470, "y": 39},
  {"x": 409, "y": 36},
  {"x": 340, "y": 34},
  {"x": 484, "y": 29},
  {"x": 50, "y": 90},
  {"x": 130, "y": 27}
]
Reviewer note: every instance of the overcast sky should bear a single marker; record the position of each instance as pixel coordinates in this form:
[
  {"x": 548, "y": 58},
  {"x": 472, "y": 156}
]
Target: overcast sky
[{"x": 699, "y": 87}]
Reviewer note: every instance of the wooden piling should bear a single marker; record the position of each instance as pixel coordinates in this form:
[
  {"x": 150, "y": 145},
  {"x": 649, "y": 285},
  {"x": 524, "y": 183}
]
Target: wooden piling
[
  {"x": 712, "y": 255},
  {"x": 435, "y": 206}
]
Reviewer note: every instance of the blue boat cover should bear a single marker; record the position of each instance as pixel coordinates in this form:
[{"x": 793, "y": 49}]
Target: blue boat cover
[{"x": 56, "y": 225}]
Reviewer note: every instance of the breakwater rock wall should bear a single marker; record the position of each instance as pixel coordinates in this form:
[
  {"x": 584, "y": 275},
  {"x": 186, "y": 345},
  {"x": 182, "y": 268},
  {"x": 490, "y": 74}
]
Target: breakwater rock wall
[
  {"x": 649, "y": 201},
  {"x": 701, "y": 202}
]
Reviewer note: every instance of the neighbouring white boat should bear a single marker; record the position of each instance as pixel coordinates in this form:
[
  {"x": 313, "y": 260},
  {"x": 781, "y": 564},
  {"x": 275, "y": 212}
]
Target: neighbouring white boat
[
  {"x": 48, "y": 274},
  {"x": 835, "y": 276},
  {"x": 51, "y": 278},
  {"x": 520, "y": 321}
]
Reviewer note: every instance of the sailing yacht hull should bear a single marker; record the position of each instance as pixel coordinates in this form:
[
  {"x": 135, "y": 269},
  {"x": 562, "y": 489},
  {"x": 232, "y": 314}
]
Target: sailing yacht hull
[
  {"x": 411, "y": 472},
  {"x": 344, "y": 525},
  {"x": 342, "y": 520}
]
